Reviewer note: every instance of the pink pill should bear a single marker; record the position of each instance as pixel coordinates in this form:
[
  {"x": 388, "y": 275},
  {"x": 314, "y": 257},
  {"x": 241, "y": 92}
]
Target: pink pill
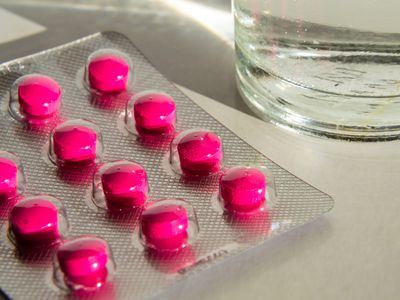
[
  {"x": 154, "y": 113},
  {"x": 125, "y": 185},
  {"x": 242, "y": 189},
  {"x": 164, "y": 227},
  {"x": 39, "y": 96},
  {"x": 83, "y": 261},
  {"x": 34, "y": 222},
  {"x": 8, "y": 178},
  {"x": 108, "y": 72},
  {"x": 200, "y": 153},
  {"x": 74, "y": 143}
]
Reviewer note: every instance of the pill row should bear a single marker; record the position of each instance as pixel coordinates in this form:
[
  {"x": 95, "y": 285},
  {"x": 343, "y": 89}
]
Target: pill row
[
  {"x": 79, "y": 142},
  {"x": 123, "y": 185},
  {"x": 36, "y": 99}
]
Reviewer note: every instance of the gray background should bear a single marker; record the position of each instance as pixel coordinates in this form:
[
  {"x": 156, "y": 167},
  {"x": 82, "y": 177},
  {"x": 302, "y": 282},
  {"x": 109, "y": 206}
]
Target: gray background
[{"x": 352, "y": 253}]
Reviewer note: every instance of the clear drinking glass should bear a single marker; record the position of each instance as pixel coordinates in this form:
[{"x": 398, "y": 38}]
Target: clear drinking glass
[{"x": 327, "y": 67}]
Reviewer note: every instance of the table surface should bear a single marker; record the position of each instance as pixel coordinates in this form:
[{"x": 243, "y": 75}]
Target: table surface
[{"x": 351, "y": 253}]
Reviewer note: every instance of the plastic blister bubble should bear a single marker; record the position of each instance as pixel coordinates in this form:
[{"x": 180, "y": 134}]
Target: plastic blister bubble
[
  {"x": 168, "y": 225},
  {"x": 196, "y": 152},
  {"x": 83, "y": 264},
  {"x": 246, "y": 189},
  {"x": 37, "y": 222},
  {"x": 108, "y": 71},
  {"x": 151, "y": 113},
  {"x": 35, "y": 99},
  {"x": 120, "y": 186},
  {"x": 76, "y": 143},
  {"x": 12, "y": 176}
]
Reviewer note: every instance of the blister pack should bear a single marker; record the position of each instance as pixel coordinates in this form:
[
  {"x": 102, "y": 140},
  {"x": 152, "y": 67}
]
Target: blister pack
[{"x": 114, "y": 184}]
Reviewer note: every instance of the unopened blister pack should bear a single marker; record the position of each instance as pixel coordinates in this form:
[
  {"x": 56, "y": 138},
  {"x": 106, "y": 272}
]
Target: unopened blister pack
[{"x": 114, "y": 184}]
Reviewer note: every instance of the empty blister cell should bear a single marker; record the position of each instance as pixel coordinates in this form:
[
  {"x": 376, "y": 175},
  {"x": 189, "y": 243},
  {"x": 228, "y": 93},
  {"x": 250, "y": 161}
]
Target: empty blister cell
[{"x": 35, "y": 99}]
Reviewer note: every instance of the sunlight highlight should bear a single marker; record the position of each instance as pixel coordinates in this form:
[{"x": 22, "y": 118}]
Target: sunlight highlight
[{"x": 217, "y": 21}]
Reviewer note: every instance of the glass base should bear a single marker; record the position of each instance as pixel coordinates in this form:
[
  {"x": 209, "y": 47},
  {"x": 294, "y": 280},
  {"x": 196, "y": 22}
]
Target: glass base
[{"x": 291, "y": 107}]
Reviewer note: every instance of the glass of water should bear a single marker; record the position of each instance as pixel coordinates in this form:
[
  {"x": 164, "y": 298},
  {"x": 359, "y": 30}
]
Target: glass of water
[{"x": 326, "y": 67}]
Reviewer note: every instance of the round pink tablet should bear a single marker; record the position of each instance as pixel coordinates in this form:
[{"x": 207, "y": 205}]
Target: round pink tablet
[
  {"x": 125, "y": 185},
  {"x": 83, "y": 261},
  {"x": 154, "y": 113},
  {"x": 164, "y": 227},
  {"x": 8, "y": 178},
  {"x": 74, "y": 143},
  {"x": 200, "y": 153},
  {"x": 242, "y": 189},
  {"x": 39, "y": 95},
  {"x": 108, "y": 73},
  {"x": 34, "y": 221}
]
